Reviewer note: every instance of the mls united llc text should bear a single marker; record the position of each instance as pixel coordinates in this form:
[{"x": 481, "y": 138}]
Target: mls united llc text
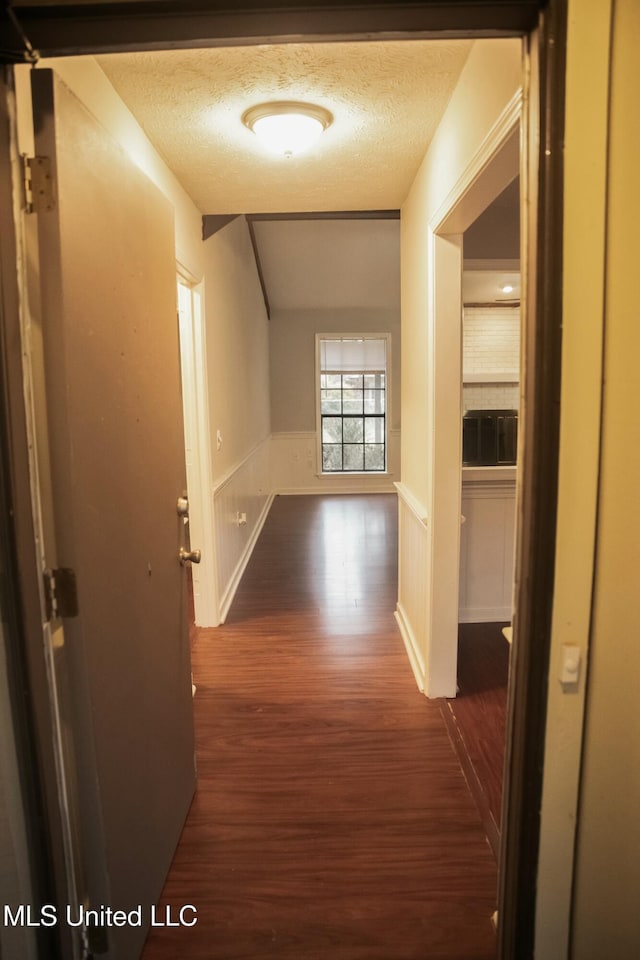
[{"x": 48, "y": 915}]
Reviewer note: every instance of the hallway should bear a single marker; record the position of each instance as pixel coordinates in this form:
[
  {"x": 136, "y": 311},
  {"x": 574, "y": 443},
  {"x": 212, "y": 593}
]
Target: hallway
[{"x": 332, "y": 819}]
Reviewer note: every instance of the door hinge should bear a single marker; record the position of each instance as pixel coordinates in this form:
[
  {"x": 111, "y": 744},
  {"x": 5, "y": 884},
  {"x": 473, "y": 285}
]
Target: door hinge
[
  {"x": 61, "y": 593},
  {"x": 37, "y": 184}
]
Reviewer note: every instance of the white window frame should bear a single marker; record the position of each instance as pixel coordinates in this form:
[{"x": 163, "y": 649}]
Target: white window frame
[{"x": 335, "y": 335}]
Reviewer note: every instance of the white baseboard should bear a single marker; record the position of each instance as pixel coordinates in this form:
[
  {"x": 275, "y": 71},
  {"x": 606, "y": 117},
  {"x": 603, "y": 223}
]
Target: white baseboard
[
  {"x": 387, "y": 487},
  {"x": 241, "y": 566},
  {"x": 485, "y": 615},
  {"x": 411, "y": 646}
]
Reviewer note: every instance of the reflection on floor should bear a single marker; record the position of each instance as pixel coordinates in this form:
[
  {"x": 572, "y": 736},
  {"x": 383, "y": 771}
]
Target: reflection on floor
[
  {"x": 477, "y": 717},
  {"x": 332, "y": 819}
]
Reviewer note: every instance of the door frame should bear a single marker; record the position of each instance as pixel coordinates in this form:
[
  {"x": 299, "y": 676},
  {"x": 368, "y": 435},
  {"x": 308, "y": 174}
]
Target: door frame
[
  {"x": 56, "y": 871},
  {"x": 495, "y": 165},
  {"x": 196, "y": 417},
  {"x": 542, "y": 291},
  {"x": 170, "y": 24},
  {"x": 99, "y": 26}
]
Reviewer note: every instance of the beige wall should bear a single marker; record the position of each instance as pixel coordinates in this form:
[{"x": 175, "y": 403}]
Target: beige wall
[
  {"x": 606, "y": 915},
  {"x": 88, "y": 82},
  {"x": 237, "y": 333},
  {"x": 489, "y": 79},
  {"x": 293, "y": 374},
  {"x": 457, "y": 170},
  {"x": 586, "y": 174},
  {"x": 591, "y": 793}
]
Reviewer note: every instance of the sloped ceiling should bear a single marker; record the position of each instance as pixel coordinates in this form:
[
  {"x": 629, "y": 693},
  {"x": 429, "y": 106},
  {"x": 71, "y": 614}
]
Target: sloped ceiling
[
  {"x": 492, "y": 251},
  {"x": 495, "y": 235},
  {"x": 387, "y": 98},
  {"x": 330, "y": 264}
]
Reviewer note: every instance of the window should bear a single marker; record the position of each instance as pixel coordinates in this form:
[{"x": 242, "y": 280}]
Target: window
[{"x": 353, "y": 389}]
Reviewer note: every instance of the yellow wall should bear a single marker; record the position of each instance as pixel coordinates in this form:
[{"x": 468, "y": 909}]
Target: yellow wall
[
  {"x": 584, "y": 222},
  {"x": 597, "y": 596},
  {"x": 237, "y": 330},
  {"x": 85, "y": 78},
  {"x": 489, "y": 79},
  {"x": 478, "y": 124},
  {"x": 607, "y": 914}
]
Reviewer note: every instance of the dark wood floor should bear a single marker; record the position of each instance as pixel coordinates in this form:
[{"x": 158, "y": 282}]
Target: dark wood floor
[
  {"x": 477, "y": 717},
  {"x": 332, "y": 819}
]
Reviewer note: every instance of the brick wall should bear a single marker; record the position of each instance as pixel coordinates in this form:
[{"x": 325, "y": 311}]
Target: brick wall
[{"x": 491, "y": 350}]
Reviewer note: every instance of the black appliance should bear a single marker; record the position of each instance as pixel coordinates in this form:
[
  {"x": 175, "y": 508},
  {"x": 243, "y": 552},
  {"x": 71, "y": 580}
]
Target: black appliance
[{"x": 489, "y": 438}]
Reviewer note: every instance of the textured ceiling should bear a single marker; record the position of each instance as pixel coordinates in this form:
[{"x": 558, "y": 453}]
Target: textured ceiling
[{"x": 387, "y": 98}]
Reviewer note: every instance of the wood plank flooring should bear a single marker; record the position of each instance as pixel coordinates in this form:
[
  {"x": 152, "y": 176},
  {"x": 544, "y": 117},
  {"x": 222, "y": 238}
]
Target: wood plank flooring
[
  {"x": 332, "y": 818},
  {"x": 477, "y": 717}
]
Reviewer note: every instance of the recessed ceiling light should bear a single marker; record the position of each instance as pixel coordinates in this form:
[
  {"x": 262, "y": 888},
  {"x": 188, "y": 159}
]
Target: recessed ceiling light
[
  {"x": 287, "y": 127},
  {"x": 507, "y": 288}
]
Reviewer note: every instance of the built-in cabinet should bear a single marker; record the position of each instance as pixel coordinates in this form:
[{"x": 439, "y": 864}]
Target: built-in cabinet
[
  {"x": 491, "y": 351},
  {"x": 487, "y": 542}
]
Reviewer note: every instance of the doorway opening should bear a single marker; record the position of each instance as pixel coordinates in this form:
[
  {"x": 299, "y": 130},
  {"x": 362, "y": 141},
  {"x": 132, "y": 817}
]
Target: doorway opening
[
  {"x": 198, "y": 517},
  {"x": 490, "y": 404},
  {"x": 473, "y": 574},
  {"x": 452, "y": 255}
]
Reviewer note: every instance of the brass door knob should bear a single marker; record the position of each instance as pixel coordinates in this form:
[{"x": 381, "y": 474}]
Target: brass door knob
[{"x": 189, "y": 556}]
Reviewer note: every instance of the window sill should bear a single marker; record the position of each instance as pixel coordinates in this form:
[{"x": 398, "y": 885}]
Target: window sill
[{"x": 354, "y": 473}]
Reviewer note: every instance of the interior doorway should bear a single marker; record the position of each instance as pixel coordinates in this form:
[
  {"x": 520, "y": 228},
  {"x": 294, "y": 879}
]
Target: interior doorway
[
  {"x": 451, "y": 252},
  {"x": 195, "y": 409},
  {"x": 493, "y": 168},
  {"x": 476, "y": 500},
  {"x": 490, "y": 401}
]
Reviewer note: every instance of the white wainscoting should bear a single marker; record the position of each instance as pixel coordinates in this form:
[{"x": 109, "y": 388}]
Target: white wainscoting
[
  {"x": 413, "y": 578},
  {"x": 244, "y": 490},
  {"x": 294, "y": 467},
  {"x": 487, "y": 550}
]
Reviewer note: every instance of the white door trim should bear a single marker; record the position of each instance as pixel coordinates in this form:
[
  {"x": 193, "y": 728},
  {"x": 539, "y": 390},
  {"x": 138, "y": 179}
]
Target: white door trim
[
  {"x": 197, "y": 441},
  {"x": 493, "y": 167}
]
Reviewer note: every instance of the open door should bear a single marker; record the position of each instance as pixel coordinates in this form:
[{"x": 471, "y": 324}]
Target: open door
[{"x": 116, "y": 453}]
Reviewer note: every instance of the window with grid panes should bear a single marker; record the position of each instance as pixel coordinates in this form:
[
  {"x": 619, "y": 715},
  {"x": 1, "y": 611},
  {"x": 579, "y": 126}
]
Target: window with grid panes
[{"x": 353, "y": 404}]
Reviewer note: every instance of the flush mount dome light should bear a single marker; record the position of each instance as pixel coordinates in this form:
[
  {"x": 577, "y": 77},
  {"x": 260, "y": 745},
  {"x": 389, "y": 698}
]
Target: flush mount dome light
[
  {"x": 287, "y": 127},
  {"x": 507, "y": 288}
]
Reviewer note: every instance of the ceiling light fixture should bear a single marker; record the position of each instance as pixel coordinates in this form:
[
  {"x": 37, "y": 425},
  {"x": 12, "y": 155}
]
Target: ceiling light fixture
[
  {"x": 287, "y": 127},
  {"x": 507, "y": 288}
]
